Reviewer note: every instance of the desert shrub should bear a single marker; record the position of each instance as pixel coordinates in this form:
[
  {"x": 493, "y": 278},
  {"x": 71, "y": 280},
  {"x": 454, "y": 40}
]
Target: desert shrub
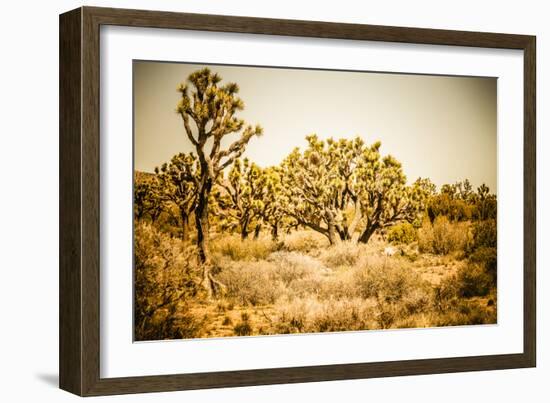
[
  {"x": 398, "y": 291},
  {"x": 250, "y": 283},
  {"x": 243, "y": 328},
  {"x": 341, "y": 286},
  {"x": 164, "y": 279},
  {"x": 445, "y": 294},
  {"x": 342, "y": 254},
  {"x": 386, "y": 279},
  {"x": 343, "y": 315},
  {"x": 291, "y": 266},
  {"x": 304, "y": 241},
  {"x": 473, "y": 280},
  {"x": 485, "y": 234},
  {"x": 403, "y": 233},
  {"x": 314, "y": 315},
  {"x": 262, "y": 282},
  {"x": 452, "y": 303},
  {"x": 454, "y": 209},
  {"x": 443, "y": 237},
  {"x": 487, "y": 258},
  {"x": 464, "y": 312},
  {"x": 248, "y": 249}
]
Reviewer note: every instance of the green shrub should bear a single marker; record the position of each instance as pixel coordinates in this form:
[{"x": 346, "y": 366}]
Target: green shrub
[{"x": 403, "y": 233}]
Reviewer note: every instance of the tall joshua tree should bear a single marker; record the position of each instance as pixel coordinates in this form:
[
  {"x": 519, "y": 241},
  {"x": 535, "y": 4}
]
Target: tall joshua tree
[
  {"x": 212, "y": 108},
  {"x": 340, "y": 187}
]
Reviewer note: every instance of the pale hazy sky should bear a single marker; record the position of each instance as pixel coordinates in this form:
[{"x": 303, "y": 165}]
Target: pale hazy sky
[{"x": 439, "y": 127}]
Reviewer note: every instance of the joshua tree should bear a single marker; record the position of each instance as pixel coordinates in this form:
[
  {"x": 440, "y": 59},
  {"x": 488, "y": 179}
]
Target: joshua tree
[
  {"x": 147, "y": 198},
  {"x": 212, "y": 108},
  {"x": 242, "y": 201},
  {"x": 341, "y": 187},
  {"x": 486, "y": 203},
  {"x": 271, "y": 209},
  {"x": 179, "y": 181}
]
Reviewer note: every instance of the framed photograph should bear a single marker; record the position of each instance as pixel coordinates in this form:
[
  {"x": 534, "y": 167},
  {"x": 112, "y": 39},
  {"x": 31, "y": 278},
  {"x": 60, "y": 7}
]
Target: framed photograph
[{"x": 248, "y": 201}]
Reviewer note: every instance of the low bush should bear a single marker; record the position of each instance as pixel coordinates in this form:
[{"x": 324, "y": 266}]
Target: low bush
[
  {"x": 246, "y": 283},
  {"x": 248, "y": 249},
  {"x": 313, "y": 315},
  {"x": 473, "y": 280},
  {"x": 386, "y": 279},
  {"x": 464, "y": 313},
  {"x": 304, "y": 241},
  {"x": 487, "y": 258},
  {"x": 291, "y": 266},
  {"x": 165, "y": 278},
  {"x": 345, "y": 253},
  {"x": 243, "y": 329},
  {"x": 443, "y": 237},
  {"x": 403, "y": 233},
  {"x": 485, "y": 234}
]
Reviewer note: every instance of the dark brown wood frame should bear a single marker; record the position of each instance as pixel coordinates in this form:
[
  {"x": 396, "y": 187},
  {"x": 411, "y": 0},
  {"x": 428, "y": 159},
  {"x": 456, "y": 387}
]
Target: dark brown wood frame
[{"x": 79, "y": 201}]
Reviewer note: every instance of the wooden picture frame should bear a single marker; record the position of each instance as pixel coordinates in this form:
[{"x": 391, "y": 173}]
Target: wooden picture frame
[{"x": 79, "y": 346}]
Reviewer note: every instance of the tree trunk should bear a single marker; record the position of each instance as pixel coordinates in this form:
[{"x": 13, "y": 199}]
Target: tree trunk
[
  {"x": 365, "y": 236},
  {"x": 275, "y": 232},
  {"x": 332, "y": 233},
  {"x": 202, "y": 225},
  {"x": 257, "y": 231},
  {"x": 244, "y": 229},
  {"x": 333, "y": 236},
  {"x": 356, "y": 220},
  {"x": 184, "y": 226}
]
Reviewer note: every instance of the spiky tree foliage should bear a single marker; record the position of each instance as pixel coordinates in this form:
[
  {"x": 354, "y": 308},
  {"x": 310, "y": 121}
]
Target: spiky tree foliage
[
  {"x": 390, "y": 200},
  {"x": 212, "y": 108},
  {"x": 311, "y": 186},
  {"x": 341, "y": 187},
  {"x": 486, "y": 203},
  {"x": 241, "y": 199},
  {"x": 272, "y": 212},
  {"x": 179, "y": 180},
  {"x": 459, "y": 202},
  {"x": 464, "y": 190},
  {"x": 147, "y": 198}
]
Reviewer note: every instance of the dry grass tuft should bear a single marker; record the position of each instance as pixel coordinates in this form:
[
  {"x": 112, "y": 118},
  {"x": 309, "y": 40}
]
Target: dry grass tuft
[
  {"x": 249, "y": 249},
  {"x": 444, "y": 237}
]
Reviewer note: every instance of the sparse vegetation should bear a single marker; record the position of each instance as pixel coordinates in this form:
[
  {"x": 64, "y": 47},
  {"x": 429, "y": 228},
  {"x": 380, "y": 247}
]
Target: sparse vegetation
[{"x": 332, "y": 239}]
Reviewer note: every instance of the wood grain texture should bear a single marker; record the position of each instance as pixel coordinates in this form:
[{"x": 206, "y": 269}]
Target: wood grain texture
[
  {"x": 530, "y": 202},
  {"x": 70, "y": 314},
  {"x": 80, "y": 196}
]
